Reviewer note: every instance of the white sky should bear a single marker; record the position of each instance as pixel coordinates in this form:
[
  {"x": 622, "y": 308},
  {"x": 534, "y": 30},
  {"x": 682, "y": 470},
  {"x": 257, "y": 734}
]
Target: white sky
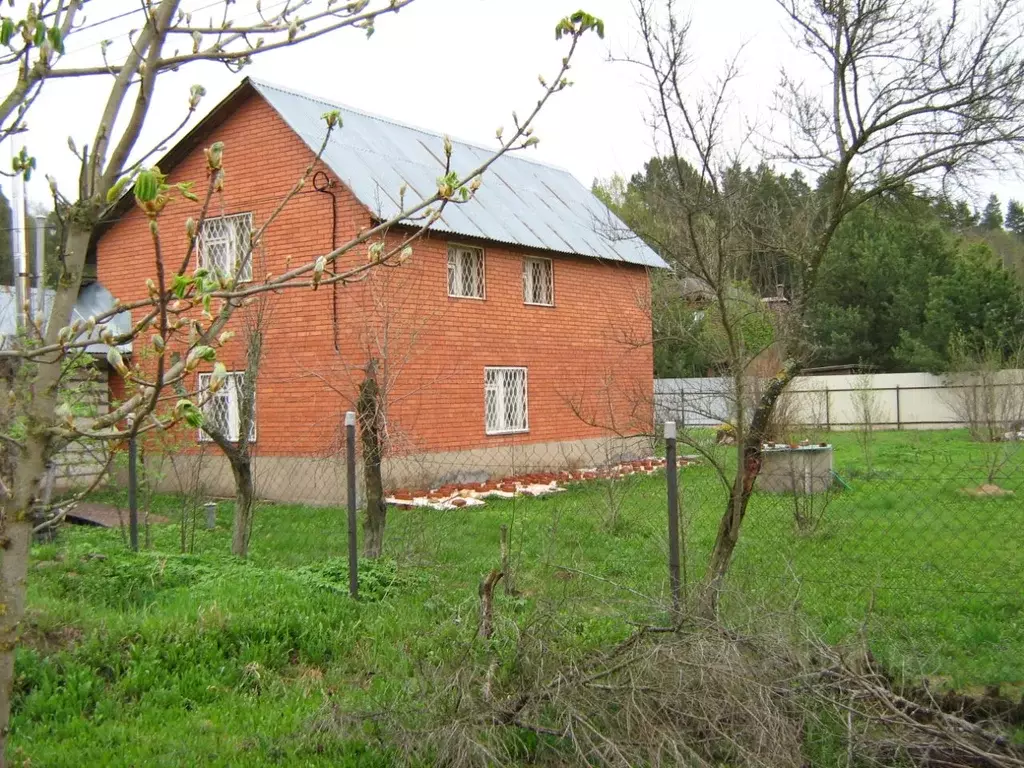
[{"x": 461, "y": 67}]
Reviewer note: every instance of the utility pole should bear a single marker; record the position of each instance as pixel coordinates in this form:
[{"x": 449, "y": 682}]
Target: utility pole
[
  {"x": 21, "y": 293},
  {"x": 40, "y": 305}
]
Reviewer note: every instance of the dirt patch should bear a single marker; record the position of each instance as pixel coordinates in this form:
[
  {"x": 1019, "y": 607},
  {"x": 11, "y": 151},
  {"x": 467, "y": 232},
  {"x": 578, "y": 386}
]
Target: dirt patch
[
  {"x": 991, "y": 705},
  {"x": 106, "y": 516},
  {"x": 50, "y": 640},
  {"x": 987, "y": 490}
]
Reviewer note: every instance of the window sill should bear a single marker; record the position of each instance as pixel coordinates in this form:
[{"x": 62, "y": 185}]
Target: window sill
[
  {"x": 507, "y": 432},
  {"x": 538, "y": 304},
  {"x": 471, "y": 298}
]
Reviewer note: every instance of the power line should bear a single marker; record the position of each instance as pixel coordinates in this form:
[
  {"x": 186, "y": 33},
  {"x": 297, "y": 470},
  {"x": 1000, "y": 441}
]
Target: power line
[{"x": 100, "y": 23}]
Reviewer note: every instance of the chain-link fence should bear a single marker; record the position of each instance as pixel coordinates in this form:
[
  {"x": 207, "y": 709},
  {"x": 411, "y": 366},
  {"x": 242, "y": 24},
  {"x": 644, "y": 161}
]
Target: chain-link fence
[{"x": 915, "y": 535}]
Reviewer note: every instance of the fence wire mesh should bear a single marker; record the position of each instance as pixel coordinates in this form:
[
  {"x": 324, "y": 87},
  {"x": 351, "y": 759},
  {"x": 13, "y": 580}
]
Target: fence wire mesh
[
  {"x": 923, "y": 512},
  {"x": 915, "y": 535}
]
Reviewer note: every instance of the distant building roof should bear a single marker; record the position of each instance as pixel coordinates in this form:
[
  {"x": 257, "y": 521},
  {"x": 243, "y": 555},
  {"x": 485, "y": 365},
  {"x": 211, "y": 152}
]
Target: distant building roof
[{"x": 93, "y": 300}]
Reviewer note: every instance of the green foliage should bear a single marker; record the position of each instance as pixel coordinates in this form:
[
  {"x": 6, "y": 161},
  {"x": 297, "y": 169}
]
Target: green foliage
[
  {"x": 871, "y": 285},
  {"x": 680, "y": 349},
  {"x": 123, "y": 579},
  {"x": 886, "y": 294},
  {"x": 158, "y": 658},
  {"x": 956, "y": 215},
  {"x": 187, "y": 411},
  {"x": 992, "y": 215},
  {"x": 688, "y": 338},
  {"x": 377, "y": 578},
  {"x": 23, "y": 164},
  {"x": 752, "y": 320},
  {"x": 1015, "y": 218},
  {"x": 978, "y": 302},
  {"x": 332, "y": 118},
  {"x": 577, "y": 24}
]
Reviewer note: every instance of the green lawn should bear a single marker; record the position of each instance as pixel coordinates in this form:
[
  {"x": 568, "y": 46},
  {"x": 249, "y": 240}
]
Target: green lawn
[{"x": 167, "y": 659}]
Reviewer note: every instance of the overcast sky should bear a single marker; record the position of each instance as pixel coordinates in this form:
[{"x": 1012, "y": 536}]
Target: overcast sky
[{"x": 461, "y": 67}]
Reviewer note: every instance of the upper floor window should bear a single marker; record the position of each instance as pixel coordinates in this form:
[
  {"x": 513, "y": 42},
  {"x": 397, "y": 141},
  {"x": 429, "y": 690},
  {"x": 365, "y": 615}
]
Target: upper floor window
[
  {"x": 224, "y": 245},
  {"x": 538, "y": 281},
  {"x": 223, "y": 411},
  {"x": 465, "y": 272}
]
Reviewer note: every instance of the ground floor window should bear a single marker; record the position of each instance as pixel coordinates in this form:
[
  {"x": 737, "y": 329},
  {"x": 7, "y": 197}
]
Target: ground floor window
[
  {"x": 505, "y": 402},
  {"x": 223, "y": 411}
]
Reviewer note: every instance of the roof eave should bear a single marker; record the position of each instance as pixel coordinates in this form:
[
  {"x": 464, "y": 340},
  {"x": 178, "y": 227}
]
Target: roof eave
[{"x": 177, "y": 153}]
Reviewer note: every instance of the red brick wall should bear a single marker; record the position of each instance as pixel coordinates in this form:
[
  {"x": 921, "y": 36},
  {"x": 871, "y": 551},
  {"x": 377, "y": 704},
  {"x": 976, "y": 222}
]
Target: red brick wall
[{"x": 588, "y": 357}]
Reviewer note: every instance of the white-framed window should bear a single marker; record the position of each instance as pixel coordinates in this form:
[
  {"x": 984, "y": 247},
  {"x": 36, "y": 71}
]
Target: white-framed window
[
  {"x": 505, "y": 401},
  {"x": 224, "y": 245},
  {"x": 538, "y": 281},
  {"x": 224, "y": 408},
  {"x": 465, "y": 272}
]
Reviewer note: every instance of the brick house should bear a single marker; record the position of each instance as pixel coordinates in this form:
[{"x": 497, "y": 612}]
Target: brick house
[{"x": 517, "y": 335}]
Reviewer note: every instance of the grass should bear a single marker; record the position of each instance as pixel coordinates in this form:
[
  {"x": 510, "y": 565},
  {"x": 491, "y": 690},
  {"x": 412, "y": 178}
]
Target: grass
[{"x": 161, "y": 658}]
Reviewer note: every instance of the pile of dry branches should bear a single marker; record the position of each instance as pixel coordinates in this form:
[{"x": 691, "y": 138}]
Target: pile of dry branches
[{"x": 695, "y": 695}]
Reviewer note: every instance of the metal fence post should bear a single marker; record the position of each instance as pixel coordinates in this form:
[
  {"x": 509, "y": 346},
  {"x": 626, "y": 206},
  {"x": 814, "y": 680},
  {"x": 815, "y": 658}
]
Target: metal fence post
[
  {"x": 133, "y": 481},
  {"x": 672, "y": 481},
  {"x": 899, "y": 420},
  {"x": 828, "y": 411},
  {"x": 350, "y": 459}
]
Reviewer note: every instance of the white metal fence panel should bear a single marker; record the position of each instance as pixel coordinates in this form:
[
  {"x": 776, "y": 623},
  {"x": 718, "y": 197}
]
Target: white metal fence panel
[{"x": 888, "y": 400}]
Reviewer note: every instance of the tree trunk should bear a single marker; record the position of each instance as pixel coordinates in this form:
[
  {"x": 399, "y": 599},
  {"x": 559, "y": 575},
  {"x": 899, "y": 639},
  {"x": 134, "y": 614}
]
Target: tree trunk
[
  {"x": 743, "y": 487},
  {"x": 487, "y": 603},
  {"x": 241, "y": 468},
  {"x": 39, "y": 405},
  {"x": 371, "y": 422}
]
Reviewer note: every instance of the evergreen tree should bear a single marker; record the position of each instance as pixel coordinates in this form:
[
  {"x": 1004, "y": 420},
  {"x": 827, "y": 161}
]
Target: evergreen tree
[
  {"x": 979, "y": 302},
  {"x": 957, "y": 215},
  {"x": 1015, "y": 217},
  {"x": 992, "y": 216}
]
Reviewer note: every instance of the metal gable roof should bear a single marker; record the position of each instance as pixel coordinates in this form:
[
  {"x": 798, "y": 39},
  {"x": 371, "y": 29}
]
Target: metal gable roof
[
  {"x": 93, "y": 300},
  {"x": 521, "y": 202}
]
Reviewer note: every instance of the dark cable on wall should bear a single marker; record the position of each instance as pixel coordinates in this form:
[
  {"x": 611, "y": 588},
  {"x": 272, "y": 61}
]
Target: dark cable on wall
[{"x": 322, "y": 183}]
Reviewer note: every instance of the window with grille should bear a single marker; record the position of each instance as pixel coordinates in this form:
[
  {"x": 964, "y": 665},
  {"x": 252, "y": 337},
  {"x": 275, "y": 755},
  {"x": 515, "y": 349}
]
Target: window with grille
[
  {"x": 224, "y": 245},
  {"x": 505, "y": 405},
  {"x": 538, "y": 282},
  {"x": 465, "y": 272},
  {"x": 223, "y": 411}
]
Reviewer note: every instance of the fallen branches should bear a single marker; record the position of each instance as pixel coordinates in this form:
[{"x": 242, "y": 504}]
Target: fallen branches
[{"x": 699, "y": 695}]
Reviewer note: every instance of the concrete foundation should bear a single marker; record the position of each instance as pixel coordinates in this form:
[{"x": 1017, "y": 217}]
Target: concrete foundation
[
  {"x": 802, "y": 470},
  {"x": 320, "y": 481}
]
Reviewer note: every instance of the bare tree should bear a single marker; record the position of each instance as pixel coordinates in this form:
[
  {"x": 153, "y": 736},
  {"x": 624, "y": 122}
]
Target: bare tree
[
  {"x": 372, "y": 364},
  {"x": 986, "y": 393},
  {"x": 370, "y": 416},
  {"x": 868, "y": 414},
  {"x": 185, "y": 311},
  {"x": 916, "y": 95},
  {"x": 238, "y": 448}
]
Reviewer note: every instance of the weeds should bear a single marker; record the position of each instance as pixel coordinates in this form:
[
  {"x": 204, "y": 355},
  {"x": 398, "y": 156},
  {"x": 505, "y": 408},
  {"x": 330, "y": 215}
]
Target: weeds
[{"x": 160, "y": 658}]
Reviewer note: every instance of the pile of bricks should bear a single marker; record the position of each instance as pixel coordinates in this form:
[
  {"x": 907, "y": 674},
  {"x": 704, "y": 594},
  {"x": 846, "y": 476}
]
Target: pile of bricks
[{"x": 455, "y": 496}]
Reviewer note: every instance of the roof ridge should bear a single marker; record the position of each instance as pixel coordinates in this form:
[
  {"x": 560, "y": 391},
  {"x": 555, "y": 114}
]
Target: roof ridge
[{"x": 259, "y": 82}]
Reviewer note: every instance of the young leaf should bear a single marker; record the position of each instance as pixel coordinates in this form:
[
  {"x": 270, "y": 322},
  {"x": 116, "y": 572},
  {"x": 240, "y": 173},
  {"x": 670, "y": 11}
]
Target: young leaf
[
  {"x": 180, "y": 285},
  {"x": 115, "y": 191},
  {"x": 147, "y": 186},
  {"x": 188, "y": 412},
  {"x": 6, "y": 31},
  {"x": 56, "y": 39}
]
